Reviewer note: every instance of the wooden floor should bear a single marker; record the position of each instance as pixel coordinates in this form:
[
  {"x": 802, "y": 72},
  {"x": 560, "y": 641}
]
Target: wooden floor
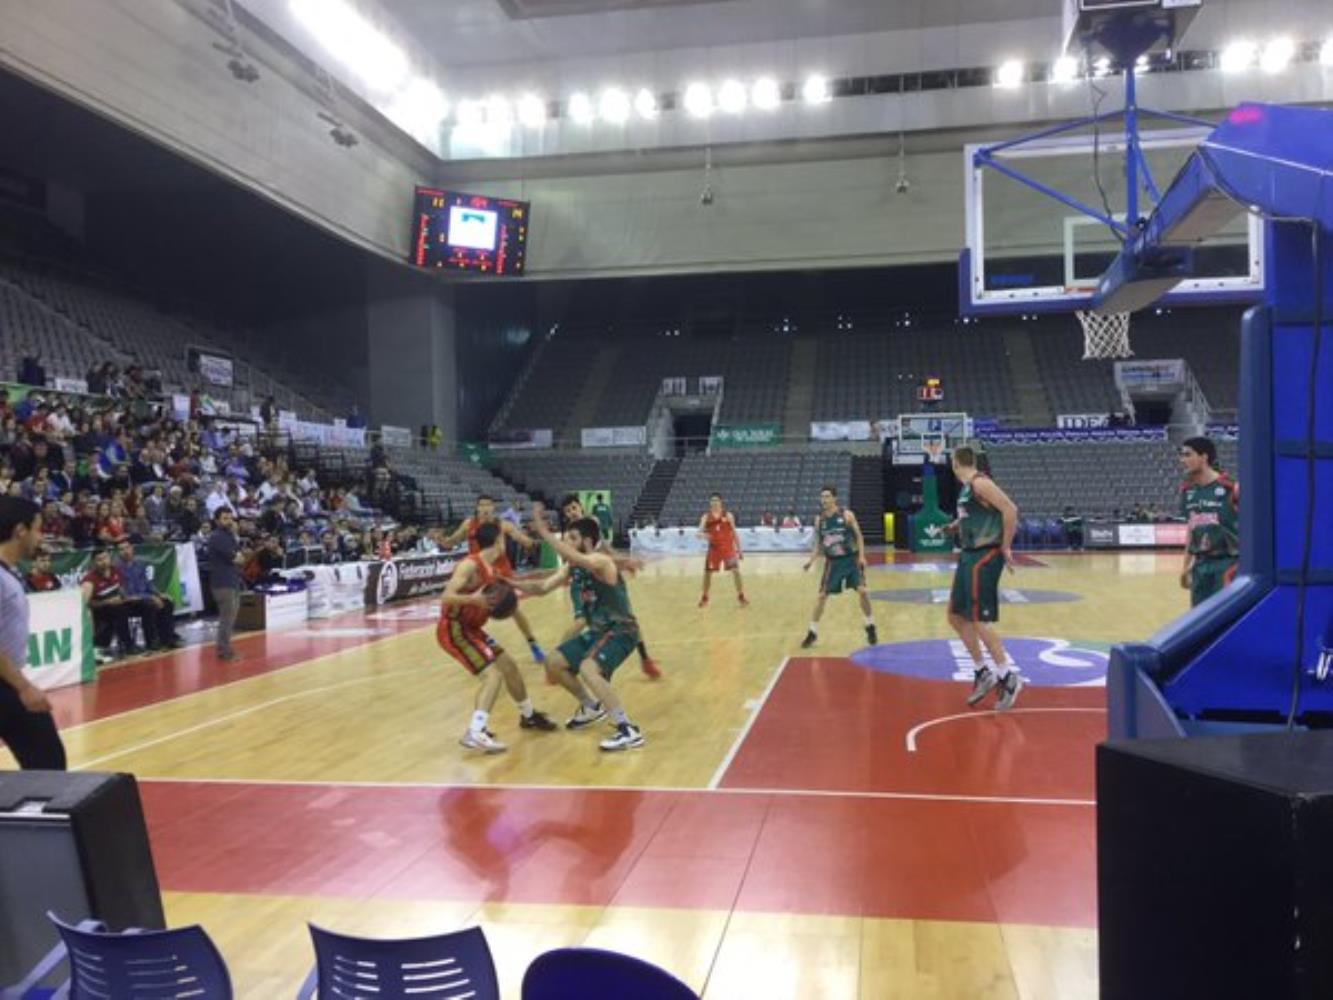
[{"x": 826, "y": 824}]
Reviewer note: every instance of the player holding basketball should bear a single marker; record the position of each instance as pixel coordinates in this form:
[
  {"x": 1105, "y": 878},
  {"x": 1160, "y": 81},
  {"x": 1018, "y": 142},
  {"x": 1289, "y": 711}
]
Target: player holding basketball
[
  {"x": 485, "y": 514},
  {"x": 985, "y": 526},
  {"x": 1210, "y": 504},
  {"x": 580, "y": 595},
  {"x": 586, "y": 663},
  {"x": 718, "y": 526},
  {"x": 464, "y": 611},
  {"x": 839, "y": 541}
]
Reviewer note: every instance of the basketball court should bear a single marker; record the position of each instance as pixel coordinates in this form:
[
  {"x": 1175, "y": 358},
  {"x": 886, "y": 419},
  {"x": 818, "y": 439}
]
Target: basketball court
[{"x": 834, "y": 824}]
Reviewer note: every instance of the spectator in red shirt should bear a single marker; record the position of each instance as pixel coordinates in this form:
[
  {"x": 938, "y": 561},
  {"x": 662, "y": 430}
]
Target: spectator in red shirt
[
  {"x": 110, "y": 528},
  {"x": 106, "y": 600},
  {"x": 40, "y": 578}
]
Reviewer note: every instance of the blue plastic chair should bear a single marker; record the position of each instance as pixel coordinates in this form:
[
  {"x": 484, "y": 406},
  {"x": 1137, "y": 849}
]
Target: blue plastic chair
[
  {"x": 579, "y": 973},
  {"x": 445, "y": 967},
  {"x": 143, "y": 965}
]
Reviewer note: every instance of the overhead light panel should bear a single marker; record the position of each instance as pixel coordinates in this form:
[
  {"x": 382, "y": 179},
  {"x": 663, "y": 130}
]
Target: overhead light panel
[
  {"x": 580, "y": 108},
  {"x": 1326, "y": 53},
  {"x": 1102, "y": 67},
  {"x": 1277, "y": 55},
  {"x": 732, "y": 97},
  {"x": 1237, "y": 56},
  {"x": 645, "y": 103},
  {"x": 355, "y": 42},
  {"x": 699, "y": 100},
  {"x": 1064, "y": 70},
  {"x": 532, "y": 111},
  {"x": 1010, "y": 73},
  {"x": 817, "y": 89},
  {"x": 419, "y": 108},
  {"x": 766, "y": 94},
  {"x": 499, "y": 112},
  {"x": 614, "y": 106},
  {"x": 471, "y": 113}
]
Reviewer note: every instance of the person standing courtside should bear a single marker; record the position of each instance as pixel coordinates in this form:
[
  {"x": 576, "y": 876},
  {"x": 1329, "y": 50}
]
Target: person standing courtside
[
  {"x": 224, "y": 578},
  {"x": 26, "y": 724},
  {"x": 1210, "y": 504}
]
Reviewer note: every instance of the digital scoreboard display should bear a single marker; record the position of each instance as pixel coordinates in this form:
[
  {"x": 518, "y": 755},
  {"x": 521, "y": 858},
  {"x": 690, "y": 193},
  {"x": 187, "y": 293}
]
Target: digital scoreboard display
[{"x": 469, "y": 232}]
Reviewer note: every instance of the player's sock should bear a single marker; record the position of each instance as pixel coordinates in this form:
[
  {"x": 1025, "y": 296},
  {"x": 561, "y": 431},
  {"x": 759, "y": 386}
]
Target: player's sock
[
  {"x": 619, "y": 717},
  {"x": 1003, "y": 670},
  {"x": 814, "y": 628},
  {"x": 479, "y": 720},
  {"x": 870, "y": 621},
  {"x": 525, "y": 708}
]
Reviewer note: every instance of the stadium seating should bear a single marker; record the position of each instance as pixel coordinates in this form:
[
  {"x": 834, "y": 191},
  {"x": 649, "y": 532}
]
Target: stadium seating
[
  {"x": 449, "y": 486},
  {"x": 621, "y": 476},
  {"x": 1073, "y": 385},
  {"x": 27, "y": 324},
  {"x": 754, "y": 483}
]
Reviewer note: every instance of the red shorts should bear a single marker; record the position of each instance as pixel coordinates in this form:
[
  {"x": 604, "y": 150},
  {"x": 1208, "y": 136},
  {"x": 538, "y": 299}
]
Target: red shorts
[
  {"x": 468, "y": 644},
  {"x": 720, "y": 559}
]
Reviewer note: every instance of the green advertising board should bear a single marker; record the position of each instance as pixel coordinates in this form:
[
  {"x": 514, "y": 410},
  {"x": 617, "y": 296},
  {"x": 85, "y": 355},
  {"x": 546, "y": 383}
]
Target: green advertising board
[
  {"x": 746, "y": 435},
  {"x": 163, "y": 570},
  {"x": 928, "y": 524},
  {"x": 477, "y": 453}
]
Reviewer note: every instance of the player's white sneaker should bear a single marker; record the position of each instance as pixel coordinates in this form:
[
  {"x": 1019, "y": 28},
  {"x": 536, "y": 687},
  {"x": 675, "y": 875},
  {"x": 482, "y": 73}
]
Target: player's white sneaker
[
  {"x": 1009, "y": 688},
  {"x": 483, "y": 741},
  {"x": 983, "y": 682},
  {"x": 627, "y": 737},
  {"x": 586, "y": 716}
]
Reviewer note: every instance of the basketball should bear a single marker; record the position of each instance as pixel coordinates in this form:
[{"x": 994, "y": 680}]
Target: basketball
[{"x": 502, "y": 598}]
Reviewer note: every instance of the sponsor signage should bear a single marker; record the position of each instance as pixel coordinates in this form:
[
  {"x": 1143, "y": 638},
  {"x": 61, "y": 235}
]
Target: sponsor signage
[
  {"x": 514, "y": 440},
  {"x": 60, "y": 640},
  {"x": 841, "y": 430},
  {"x": 614, "y": 437},
  {"x": 747, "y": 435},
  {"x": 408, "y": 576},
  {"x": 1111, "y": 535},
  {"x": 1082, "y": 420},
  {"x": 1161, "y": 375},
  {"x": 1069, "y": 435},
  {"x": 396, "y": 437}
]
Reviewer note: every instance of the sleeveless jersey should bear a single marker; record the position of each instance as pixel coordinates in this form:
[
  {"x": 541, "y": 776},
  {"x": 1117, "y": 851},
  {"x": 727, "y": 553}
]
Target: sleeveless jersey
[
  {"x": 610, "y": 603},
  {"x": 721, "y": 534},
  {"x": 470, "y": 614},
  {"x": 980, "y": 526},
  {"x": 836, "y": 539},
  {"x": 1212, "y": 512},
  {"x": 473, "y": 523}
]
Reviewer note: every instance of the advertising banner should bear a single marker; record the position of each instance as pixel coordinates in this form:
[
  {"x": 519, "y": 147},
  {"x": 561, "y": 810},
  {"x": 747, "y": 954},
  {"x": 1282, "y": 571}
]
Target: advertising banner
[
  {"x": 614, "y": 437},
  {"x": 60, "y": 640},
  {"x": 408, "y": 576},
  {"x": 164, "y": 571},
  {"x": 542, "y": 437},
  {"x": 1082, "y": 420},
  {"x": 841, "y": 430},
  {"x": 1074, "y": 435},
  {"x": 1137, "y": 534},
  {"x": 686, "y": 541},
  {"x": 746, "y": 435},
  {"x": 1147, "y": 376},
  {"x": 395, "y": 437},
  {"x": 477, "y": 453},
  {"x": 215, "y": 369},
  {"x": 71, "y": 384}
]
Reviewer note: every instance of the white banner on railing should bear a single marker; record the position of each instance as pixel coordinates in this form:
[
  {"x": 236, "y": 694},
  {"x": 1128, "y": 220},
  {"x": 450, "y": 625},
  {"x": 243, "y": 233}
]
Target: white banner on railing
[
  {"x": 1161, "y": 374},
  {"x": 540, "y": 438},
  {"x": 215, "y": 369},
  {"x": 60, "y": 640},
  {"x": 397, "y": 437},
  {"x": 1082, "y": 420},
  {"x": 71, "y": 384},
  {"x": 683, "y": 541},
  {"x": 614, "y": 437},
  {"x": 327, "y": 435},
  {"x": 187, "y": 569},
  {"x": 841, "y": 430}
]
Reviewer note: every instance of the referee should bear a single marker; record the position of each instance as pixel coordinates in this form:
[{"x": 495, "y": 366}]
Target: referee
[{"x": 26, "y": 726}]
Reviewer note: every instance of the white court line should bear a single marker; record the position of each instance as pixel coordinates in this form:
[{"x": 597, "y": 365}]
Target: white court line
[
  {"x": 912, "y": 733},
  {"x": 240, "y": 714},
  {"x": 716, "y": 779},
  {"x": 821, "y": 793}
]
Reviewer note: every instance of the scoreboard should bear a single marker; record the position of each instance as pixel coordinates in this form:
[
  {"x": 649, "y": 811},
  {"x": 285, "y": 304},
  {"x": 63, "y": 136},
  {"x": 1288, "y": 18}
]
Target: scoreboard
[{"x": 469, "y": 232}]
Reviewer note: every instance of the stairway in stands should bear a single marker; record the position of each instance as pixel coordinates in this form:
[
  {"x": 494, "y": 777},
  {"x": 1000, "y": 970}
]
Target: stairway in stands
[
  {"x": 599, "y": 377},
  {"x": 655, "y": 490},
  {"x": 801, "y": 388},
  {"x": 1033, "y": 407},
  {"x": 867, "y": 496}
]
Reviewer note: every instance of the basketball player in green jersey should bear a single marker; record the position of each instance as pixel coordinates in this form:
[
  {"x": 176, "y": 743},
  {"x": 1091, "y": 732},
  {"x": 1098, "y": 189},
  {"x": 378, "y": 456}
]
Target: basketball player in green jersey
[
  {"x": 985, "y": 526},
  {"x": 586, "y": 663},
  {"x": 839, "y": 541},
  {"x": 571, "y": 510},
  {"x": 1210, "y": 504}
]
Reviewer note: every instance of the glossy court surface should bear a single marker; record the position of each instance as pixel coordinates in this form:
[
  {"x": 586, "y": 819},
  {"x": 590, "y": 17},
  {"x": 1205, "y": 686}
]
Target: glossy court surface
[{"x": 832, "y": 823}]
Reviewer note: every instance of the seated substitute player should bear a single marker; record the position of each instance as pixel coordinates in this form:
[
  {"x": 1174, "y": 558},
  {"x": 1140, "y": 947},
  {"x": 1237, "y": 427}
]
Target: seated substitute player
[
  {"x": 571, "y": 510},
  {"x": 718, "y": 527},
  {"x": 985, "y": 526},
  {"x": 612, "y": 631},
  {"x": 1210, "y": 504},
  {"x": 464, "y": 611},
  {"x": 839, "y": 541},
  {"x": 485, "y": 514}
]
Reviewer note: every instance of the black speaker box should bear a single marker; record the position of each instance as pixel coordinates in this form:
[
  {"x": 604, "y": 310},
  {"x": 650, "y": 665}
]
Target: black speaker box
[
  {"x": 76, "y": 844},
  {"x": 1215, "y": 867}
]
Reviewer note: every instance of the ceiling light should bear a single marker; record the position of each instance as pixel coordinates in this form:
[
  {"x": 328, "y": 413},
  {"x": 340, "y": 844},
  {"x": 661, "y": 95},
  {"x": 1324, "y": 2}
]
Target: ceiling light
[
  {"x": 499, "y": 111},
  {"x": 1237, "y": 56},
  {"x": 532, "y": 111},
  {"x": 645, "y": 103},
  {"x": 1102, "y": 67},
  {"x": 817, "y": 89},
  {"x": 766, "y": 93},
  {"x": 614, "y": 106},
  {"x": 1326, "y": 53},
  {"x": 1064, "y": 70},
  {"x": 1141, "y": 63},
  {"x": 732, "y": 97},
  {"x": 471, "y": 113},
  {"x": 1277, "y": 55},
  {"x": 699, "y": 100},
  {"x": 418, "y": 108},
  {"x": 354, "y": 41},
  {"x": 1010, "y": 73},
  {"x": 580, "y": 108}
]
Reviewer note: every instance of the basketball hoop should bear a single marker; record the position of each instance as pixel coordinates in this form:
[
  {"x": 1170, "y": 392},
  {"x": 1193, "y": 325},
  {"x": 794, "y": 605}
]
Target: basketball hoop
[
  {"x": 1105, "y": 335},
  {"x": 932, "y": 446}
]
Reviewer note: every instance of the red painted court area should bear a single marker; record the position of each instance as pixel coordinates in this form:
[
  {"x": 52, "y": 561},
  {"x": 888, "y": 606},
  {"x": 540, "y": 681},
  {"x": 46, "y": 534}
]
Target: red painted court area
[{"x": 823, "y": 810}]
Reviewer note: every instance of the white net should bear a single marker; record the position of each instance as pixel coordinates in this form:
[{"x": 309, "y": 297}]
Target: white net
[{"x": 1105, "y": 335}]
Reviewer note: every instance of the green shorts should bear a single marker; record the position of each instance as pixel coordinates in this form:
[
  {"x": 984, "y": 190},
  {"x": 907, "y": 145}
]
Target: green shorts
[
  {"x": 840, "y": 573},
  {"x": 976, "y": 585},
  {"x": 1208, "y": 576},
  {"x": 609, "y": 648}
]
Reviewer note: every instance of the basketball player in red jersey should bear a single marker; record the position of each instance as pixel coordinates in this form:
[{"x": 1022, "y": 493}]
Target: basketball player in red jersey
[
  {"x": 464, "y": 611},
  {"x": 485, "y": 514},
  {"x": 724, "y": 548}
]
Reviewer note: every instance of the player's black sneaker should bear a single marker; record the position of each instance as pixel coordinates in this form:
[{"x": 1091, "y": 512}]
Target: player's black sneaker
[
  {"x": 1010, "y": 685},
  {"x": 810, "y": 639},
  {"x": 537, "y": 720},
  {"x": 872, "y": 637}
]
